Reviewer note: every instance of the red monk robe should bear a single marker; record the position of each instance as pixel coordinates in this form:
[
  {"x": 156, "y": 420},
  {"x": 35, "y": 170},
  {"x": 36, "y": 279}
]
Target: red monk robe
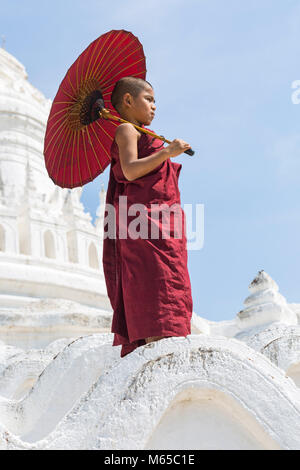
[{"x": 147, "y": 279}]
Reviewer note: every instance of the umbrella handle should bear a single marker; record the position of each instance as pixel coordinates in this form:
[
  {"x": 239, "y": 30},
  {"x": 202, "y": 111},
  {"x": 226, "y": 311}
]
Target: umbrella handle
[
  {"x": 189, "y": 152},
  {"x": 104, "y": 113}
]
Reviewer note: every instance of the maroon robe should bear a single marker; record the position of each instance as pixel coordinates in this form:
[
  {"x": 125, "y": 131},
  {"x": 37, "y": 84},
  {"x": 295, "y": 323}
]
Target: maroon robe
[{"x": 147, "y": 279}]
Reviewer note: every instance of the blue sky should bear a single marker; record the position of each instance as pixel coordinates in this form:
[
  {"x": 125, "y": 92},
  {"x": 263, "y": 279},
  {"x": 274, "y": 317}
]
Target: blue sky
[{"x": 222, "y": 74}]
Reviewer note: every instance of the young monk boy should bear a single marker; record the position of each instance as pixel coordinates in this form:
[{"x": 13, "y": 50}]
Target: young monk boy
[{"x": 147, "y": 278}]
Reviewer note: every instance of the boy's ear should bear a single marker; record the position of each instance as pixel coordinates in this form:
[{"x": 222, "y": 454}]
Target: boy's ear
[{"x": 127, "y": 99}]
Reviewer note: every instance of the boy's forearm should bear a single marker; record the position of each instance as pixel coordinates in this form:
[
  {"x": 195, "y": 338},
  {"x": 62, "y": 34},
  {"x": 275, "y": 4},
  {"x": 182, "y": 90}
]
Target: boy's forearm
[{"x": 142, "y": 166}]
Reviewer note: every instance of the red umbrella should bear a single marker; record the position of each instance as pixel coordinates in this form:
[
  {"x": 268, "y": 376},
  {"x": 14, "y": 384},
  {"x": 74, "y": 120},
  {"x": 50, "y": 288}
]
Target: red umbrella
[{"x": 77, "y": 143}]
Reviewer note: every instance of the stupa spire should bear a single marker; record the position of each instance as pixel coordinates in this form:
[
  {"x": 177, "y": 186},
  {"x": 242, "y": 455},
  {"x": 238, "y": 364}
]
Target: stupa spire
[{"x": 265, "y": 304}]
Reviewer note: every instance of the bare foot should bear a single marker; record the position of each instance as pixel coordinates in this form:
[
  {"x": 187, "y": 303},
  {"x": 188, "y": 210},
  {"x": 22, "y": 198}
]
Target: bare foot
[{"x": 153, "y": 338}]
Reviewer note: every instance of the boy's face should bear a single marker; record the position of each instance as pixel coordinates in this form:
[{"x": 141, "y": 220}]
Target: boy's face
[{"x": 143, "y": 106}]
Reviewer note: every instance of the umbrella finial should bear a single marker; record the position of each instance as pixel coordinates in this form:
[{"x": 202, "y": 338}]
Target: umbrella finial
[{"x": 3, "y": 41}]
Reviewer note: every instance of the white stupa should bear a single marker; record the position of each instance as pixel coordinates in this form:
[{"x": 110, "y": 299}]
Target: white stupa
[
  {"x": 229, "y": 385},
  {"x": 49, "y": 248}
]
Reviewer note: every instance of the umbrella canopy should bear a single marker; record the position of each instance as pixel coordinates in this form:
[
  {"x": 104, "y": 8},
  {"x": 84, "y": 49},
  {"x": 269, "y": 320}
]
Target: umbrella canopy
[{"x": 77, "y": 142}]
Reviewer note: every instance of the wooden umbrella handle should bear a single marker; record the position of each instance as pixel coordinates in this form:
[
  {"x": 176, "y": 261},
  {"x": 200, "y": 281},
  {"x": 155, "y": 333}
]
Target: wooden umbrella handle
[{"x": 104, "y": 113}]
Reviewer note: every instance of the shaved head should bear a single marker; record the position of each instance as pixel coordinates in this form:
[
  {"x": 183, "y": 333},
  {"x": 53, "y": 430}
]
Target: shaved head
[{"x": 130, "y": 85}]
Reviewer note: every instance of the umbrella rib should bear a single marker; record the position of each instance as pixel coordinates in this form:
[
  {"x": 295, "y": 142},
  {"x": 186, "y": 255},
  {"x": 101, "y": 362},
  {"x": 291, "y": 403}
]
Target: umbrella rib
[
  {"x": 123, "y": 59},
  {"x": 53, "y": 157},
  {"x": 78, "y": 159},
  {"x": 68, "y": 139},
  {"x": 62, "y": 133},
  {"x": 74, "y": 91},
  {"x": 58, "y": 112},
  {"x": 112, "y": 54},
  {"x": 89, "y": 64},
  {"x": 92, "y": 73},
  {"x": 64, "y": 140},
  {"x": 72, "y": 175},
  {"x": 114, "y": 123},
  {"x": 103, "y": 130},
  {"x": 83, "y": 69},
  {"x": 70, "y": 96},
  {"x": 71, "y": 162},
  {"x": 84, "y": 147},
  {"x": 98, "y": 53},
  {"x": 94, "y": 149},
  {"x": 60, "y": 102},
  {"x": 110, "y": 121},
  {"x": 52, "y": 137},
  {"x": 120, "y": 71},
  {"x": 77, "y": 65},
  {"x": 101, "y": 142},
  {"x": 91, "y": 59}
]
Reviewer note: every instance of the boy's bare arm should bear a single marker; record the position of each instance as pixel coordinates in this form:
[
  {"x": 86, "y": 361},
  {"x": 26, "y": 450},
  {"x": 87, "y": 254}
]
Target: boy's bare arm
[{"x": 127, "y": 140}]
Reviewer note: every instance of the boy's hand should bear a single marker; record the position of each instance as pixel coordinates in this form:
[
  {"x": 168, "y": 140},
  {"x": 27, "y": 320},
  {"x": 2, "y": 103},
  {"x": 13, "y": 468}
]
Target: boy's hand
[{"x": 177, "y": 147}]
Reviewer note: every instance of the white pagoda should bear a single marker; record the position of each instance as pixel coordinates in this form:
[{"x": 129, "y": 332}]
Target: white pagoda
[{"x": 49, "y": 247}]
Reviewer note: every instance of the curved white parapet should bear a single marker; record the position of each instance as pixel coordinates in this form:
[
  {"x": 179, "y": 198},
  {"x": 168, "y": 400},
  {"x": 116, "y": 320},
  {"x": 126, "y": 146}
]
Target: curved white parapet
[
  {"x": 285, "y": 353},
  {"x": 212, "y": 385},
  {"x": 7, "y": 353},
  {"x": 70, "y": 373},
  {"x": 281, "y": 344},
  {"x": 136, "y": 393},
  {"x": 20, "y": 369},
  {"x": 259, "y": 340}
]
